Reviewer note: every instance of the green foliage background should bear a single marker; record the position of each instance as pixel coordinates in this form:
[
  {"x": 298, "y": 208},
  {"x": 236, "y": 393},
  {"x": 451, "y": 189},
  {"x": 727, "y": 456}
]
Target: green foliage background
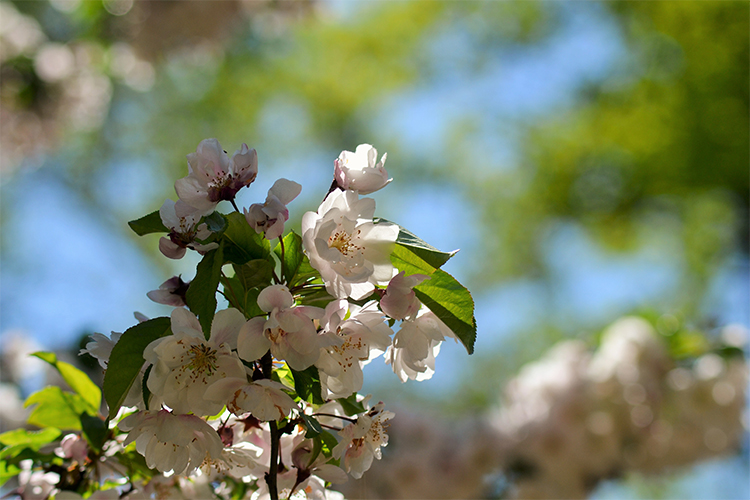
[{"x": 652, "y": 156}]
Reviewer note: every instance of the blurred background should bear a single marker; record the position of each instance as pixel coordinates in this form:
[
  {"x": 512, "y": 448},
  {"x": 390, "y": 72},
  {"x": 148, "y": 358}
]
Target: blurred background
[{"x": 590, "y": 159}]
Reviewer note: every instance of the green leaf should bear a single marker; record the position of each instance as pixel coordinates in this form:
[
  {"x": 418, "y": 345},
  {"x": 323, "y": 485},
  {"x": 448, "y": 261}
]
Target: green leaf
[
  {"x": 201, "y": 294},
  {"x": 252, "y": 309},
  {"x": 76, "y": 379},
  {"x": 329, "y": 442},
  {"x": 420, "y": 248},
  {"x": 242, "y": 242},
  {"x": 452, "y": 303},
  {"x": 292, "y": 255},
  {"x": 405, "y": 260},
  {"x": 254, "y": 273},
  {"x": 215, "y": 222},
  {"x": 318, "y": 297},
  {"x": 126, "y": 359},
  {"x": 307, "y": 385},
  {"x": 95, "y": 430},
  {"x": 351, "y": 406},
  {"x": 7, "y": 471},
  {"x": 29, "y": 439},
  {"x": 284, "y": 375},
  {"x": 305, "y": 273},
  {"x": 312, "y": 425},
  {"x": 148, "y": 224},
  {"x": 56, "y": 408}
]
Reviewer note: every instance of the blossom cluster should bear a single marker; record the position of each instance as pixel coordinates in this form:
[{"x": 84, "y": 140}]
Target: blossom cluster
[
  {"x": 575, "y": 418},
  {"x": 263, "y": 394}
]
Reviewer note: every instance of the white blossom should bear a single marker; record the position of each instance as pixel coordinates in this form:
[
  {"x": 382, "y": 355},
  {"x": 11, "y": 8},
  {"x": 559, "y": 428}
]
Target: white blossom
[
  {"x": 184, "y": 230},
  {"x": 75, "y": 447},
  {"x": 399, "y": 300},
  {"x": 270, "y": 216},
  {"x": 264, "y": 399},
  {"x": 289, "y": 331},
  {"x": 362, "y": 440},
  {"x": 172, "y": 442},
  {"x": 415, "y": 346},
  {"x": 171, "y": 292},
  {"x": 363, "y": 335},
  {"x": 101, "y": 347},
  {"x": 361, "y": 171},
  {"x": 35, "y": 485},
  {"x": 213, "y": 176},
  {"x": 350, "y": 251},
  {"x": 186, "y": 364}
]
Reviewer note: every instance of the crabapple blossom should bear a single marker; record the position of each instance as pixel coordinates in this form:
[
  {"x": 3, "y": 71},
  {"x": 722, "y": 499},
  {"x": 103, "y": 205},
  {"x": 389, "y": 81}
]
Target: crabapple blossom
[
  {"x": 100, "y": 347},
  {"x": 289, "y": 331},
  {"x": 35, "y": 484},
  {"x": 183, "y": 231},
  {"x": 170, "y": 293},
  {"x": 362, "y": 440},
  {"x": 363, "y": 335},
  {"x": 172, "y": 442},
  {"x": 415, "y": 346},
  {"x": 361, "y": 171},
  {"x": 265, "y": 399},
  {"x": 303, "y": 458},
  {"x": 214, "y": 177},
  {"x": 186, "y": 364},
  {"x": 350, "y": 251},
  {"x": 399, "y": 300},
  {"x": 75, "y": 447},
  {"x": 271, "y": 215}
]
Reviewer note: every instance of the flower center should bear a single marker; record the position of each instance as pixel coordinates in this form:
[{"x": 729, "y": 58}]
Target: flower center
[
  {"x": 275, "y": 335},
  {"x": 203, "y": 359},
  {"x": 342, "y": 241}
]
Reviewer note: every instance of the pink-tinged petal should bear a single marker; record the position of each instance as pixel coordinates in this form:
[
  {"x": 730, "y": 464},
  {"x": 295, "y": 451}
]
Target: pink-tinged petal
[
  {"x": 331, "y": 473},
  {"x": 275, "y": 296},
  {"x": 255, "y": 217},
  {"x": 168, "y": 216},
  {"x": 202, "y": 232},
  {"x": 226, "y": 327},
  {"x": 223, "y": 390},
  {"x": 183, "y": 321},
  {"x": 211, "y": 157},
  {"x": 285, "y": 190},
  {"x": 192, "y": 193},
  {"x": 244, "y": 164},
  {"x": 202, "y": 249},
  {"x": 275, "y": 230},
  {"x": 252, "y": 344},
  {"x": 166, "y": 297},
  {"x": 170, "y": 249},
  {"x": 359, "y": 291},
  {"x": 191, "y": 214}
]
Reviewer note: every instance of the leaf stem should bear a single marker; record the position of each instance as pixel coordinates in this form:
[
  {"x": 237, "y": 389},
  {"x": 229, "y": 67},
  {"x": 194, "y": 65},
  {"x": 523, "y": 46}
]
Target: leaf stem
[
  {"x": 342, "y": 417},
  {"x": 235, "y": 206},
  {"x": 281, "y": 243}
]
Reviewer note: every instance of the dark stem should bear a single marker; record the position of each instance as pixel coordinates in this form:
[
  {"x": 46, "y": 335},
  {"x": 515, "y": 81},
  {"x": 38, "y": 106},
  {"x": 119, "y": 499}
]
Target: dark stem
[
  {"x": 235, "y": 205},
  {"x": 334, "y": 187},
  {"x": 342, "y": 417},
  {"x": 273, "y": 469}
]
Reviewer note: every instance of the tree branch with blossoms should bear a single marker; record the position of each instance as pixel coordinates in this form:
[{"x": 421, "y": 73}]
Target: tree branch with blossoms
[{"x": 240, "y": 401}]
